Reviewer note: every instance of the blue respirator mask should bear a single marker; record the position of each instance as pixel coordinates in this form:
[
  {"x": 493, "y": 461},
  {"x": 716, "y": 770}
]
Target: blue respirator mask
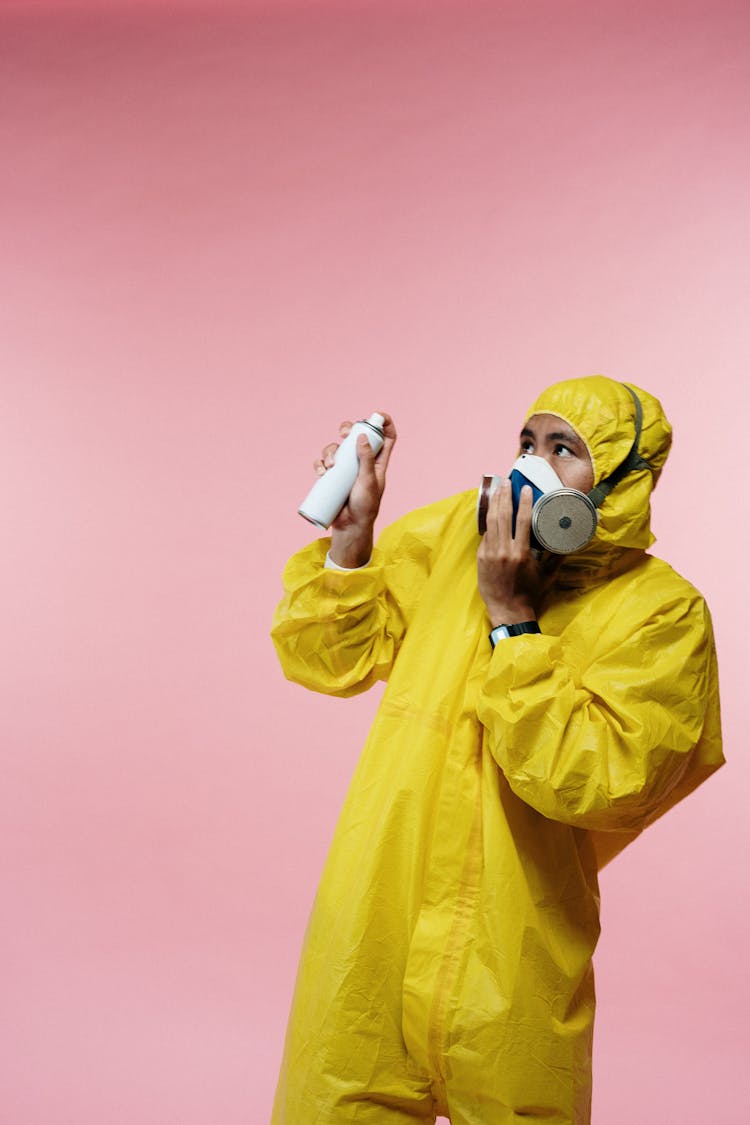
[{"x": 563, "y": 520}]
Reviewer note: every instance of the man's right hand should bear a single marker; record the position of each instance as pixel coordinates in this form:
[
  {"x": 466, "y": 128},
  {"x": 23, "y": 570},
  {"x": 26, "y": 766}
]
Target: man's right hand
[{"x": 352, "y": 530}]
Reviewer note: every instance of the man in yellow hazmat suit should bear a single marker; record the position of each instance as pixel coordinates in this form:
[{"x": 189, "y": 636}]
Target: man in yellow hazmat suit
[{"x": 447, "y": 964}]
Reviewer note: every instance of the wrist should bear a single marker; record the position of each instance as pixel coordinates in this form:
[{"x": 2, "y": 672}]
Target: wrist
[
  {"x": 351, "y": 551},
  {"x": 510, "y": 613}
]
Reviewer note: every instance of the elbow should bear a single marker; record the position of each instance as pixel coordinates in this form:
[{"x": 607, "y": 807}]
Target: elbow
[
  {"x": 325, "y": 672},
  {"x": 600, "y": 803}
]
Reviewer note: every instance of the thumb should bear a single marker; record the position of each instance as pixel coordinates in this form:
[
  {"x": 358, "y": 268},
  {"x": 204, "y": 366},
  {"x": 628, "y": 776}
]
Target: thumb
[
  {"x": 551, "y": 564},
  {"x": 366, "y": 456}
]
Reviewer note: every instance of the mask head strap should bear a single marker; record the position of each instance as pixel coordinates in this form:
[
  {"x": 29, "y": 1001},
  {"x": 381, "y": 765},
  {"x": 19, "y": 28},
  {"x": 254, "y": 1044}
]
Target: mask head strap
[{"x": 632, "y": 462}]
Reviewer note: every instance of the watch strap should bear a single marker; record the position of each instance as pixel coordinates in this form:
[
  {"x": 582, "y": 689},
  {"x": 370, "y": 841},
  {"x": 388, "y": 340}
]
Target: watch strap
[{"x": 500, "y": 632}]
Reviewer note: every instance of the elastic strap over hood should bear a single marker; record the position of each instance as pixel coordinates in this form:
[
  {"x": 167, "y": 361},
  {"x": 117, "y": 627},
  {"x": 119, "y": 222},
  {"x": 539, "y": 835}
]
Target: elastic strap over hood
[{"x": 632, "y": 462}]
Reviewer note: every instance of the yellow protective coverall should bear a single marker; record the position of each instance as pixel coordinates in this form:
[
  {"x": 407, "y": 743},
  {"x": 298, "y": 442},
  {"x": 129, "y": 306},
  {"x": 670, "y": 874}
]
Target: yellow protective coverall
[{"x": 447, "y": 964}]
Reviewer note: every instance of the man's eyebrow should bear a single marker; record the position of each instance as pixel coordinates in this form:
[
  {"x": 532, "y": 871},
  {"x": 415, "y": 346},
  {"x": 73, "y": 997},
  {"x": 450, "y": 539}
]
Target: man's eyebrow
[
  {"x": 558, "y": 435},
  {"x": 564, "y": 435}
]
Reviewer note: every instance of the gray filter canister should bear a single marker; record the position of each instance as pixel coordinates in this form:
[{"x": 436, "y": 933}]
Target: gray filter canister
[{"x": 564, "y": 521}]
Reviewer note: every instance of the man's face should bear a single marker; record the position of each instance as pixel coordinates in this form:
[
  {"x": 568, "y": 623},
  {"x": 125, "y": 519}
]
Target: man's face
[{"x": 547, "y": 436}]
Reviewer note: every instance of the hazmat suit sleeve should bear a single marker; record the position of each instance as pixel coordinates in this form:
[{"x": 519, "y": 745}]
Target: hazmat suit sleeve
[
  {"x": 609, "y": 724},
  {"x": 338, "y": 632}
]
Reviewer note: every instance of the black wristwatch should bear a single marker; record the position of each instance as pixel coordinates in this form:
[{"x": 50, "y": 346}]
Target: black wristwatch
[{"x": 500, "y": 632}]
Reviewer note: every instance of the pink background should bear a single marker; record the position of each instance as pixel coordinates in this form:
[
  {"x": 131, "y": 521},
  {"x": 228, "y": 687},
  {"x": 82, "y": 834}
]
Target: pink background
[{"x": 223, "y": 230}]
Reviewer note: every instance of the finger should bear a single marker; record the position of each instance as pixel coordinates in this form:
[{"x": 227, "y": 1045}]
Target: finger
[
  {"x": 345, "y": 427},
  {"x": 366, "y": 459},
  {"x": 551, "y": 563},
  {"x": 328, "y": 454},
  {"x": 389, "y": 440},
  {"x": 550, "y": 566},
  {"x": 319, "y": 467},
  {"x": 500, "y": 518},
  {"x": 492, "y": 533},
  {"x": 523, "y": 519}
]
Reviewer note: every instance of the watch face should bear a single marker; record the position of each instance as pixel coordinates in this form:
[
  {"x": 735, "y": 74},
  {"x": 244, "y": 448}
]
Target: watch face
[{"x": 499, "y": 633}]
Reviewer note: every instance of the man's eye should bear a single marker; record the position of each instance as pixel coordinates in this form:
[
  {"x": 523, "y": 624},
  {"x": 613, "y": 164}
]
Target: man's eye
[
  {"x": 527, "y": 446},
  {"x": 563, "y": 451}
]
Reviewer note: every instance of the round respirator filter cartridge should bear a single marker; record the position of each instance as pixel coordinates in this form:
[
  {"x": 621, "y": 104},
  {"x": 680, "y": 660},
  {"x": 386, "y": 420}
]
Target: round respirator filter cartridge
[{"x": 564, "y": 521}]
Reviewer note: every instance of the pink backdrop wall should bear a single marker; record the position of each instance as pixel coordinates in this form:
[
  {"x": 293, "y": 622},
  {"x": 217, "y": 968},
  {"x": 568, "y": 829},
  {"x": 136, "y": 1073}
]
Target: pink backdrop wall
[{"x": 223, "y": 230}]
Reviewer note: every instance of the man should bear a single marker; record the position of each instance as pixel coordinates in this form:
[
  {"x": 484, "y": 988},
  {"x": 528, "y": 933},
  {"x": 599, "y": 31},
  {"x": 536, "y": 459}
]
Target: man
[{"x": 447, "y": 965}]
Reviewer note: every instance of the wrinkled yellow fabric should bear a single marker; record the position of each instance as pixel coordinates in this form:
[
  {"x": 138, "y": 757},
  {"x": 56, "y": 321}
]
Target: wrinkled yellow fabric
[{"x": 447, "y": 963}]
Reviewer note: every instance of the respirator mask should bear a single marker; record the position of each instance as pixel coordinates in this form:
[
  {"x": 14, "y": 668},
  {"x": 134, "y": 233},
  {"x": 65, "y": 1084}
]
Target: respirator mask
[{"x": 563, "y": 520}]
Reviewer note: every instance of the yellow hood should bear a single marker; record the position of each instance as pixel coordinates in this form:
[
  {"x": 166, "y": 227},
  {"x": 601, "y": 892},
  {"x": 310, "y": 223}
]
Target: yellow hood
[{"x": 602, "y": 411}]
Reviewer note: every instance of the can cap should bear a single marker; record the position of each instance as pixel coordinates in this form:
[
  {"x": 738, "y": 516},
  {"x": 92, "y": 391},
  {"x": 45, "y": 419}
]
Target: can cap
[{"x": 377, "y": 421}]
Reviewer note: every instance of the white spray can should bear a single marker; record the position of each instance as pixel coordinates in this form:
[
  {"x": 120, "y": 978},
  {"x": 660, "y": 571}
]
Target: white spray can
[{"x": 328, "y": 495}]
